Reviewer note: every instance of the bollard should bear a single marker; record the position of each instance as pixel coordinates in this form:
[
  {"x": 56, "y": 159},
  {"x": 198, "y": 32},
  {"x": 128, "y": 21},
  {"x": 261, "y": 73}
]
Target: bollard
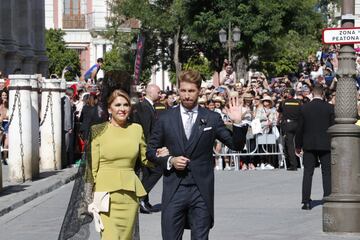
[
  {"x": 50, "y": 125},
  {"x": 35, "y": 131},
  {"x": 62, "y": 87},
  {"x": 20, "y": 146}
]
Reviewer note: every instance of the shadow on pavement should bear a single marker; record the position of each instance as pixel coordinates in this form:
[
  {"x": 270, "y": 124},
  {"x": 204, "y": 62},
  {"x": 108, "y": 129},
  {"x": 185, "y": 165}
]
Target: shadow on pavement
[
  {"x": 315, "y": 203},
  {"x": 10, "y": 189},
  {"x": 46, "y": 174}
]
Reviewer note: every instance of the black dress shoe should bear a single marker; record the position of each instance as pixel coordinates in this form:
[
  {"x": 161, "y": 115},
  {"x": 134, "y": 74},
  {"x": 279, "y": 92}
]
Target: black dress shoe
[
  {"x": 306, "y": 206},
  {"x": 291, "y": 169},
  {"x": 143, "y": 208}
]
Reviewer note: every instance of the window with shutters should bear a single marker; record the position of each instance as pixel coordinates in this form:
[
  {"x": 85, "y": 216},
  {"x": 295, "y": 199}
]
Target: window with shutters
[{"x": 72, "y": 16}]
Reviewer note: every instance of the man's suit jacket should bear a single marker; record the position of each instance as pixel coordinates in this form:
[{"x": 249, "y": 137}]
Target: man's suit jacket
[
  {"x": 169, "y": 132},
  {"x": 144, "y": 114},
  {"x": 316, "y": 117}
]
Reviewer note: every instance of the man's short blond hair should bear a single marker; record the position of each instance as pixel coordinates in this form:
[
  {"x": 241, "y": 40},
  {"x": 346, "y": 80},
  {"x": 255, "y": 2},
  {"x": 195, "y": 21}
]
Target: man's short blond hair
[{"x": 191, "y": 76}]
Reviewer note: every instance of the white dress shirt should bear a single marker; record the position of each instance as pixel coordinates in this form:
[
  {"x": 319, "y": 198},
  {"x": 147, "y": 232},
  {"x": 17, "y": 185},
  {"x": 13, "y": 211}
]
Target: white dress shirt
[{"x": 185, "y": 116}]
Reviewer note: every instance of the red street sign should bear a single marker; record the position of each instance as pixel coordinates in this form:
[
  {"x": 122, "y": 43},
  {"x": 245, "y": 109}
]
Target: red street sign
[{"x": 341, "y": 35}]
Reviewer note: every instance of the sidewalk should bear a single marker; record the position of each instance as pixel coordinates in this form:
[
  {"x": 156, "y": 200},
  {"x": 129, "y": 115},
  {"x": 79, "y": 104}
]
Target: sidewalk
[
  {"x": 249, "y": 205},
  {"x": 15, "y": 195},
  {"x": 256, "y": 205}
]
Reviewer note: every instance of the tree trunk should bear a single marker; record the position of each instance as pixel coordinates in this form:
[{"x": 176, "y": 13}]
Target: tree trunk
[{"x": 176, "y": 54}]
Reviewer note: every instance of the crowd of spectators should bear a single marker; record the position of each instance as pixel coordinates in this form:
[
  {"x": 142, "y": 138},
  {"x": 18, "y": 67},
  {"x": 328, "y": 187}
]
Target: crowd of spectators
[{"x": 260, "y": 95}]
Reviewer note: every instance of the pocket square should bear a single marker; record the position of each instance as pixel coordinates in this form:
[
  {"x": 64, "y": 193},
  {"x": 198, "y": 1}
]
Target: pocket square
[{"x": 207, "y": 129}]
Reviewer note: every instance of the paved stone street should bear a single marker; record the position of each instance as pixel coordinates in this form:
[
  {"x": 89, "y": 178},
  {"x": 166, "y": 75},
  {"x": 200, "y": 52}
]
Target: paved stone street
[
  {"x": 38, "y": 219},
  {"x": 252, "y": 205}
]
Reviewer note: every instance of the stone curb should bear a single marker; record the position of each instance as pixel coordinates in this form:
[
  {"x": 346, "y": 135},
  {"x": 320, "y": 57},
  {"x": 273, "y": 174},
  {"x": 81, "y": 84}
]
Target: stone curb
[{"x": 38, "y": 192}]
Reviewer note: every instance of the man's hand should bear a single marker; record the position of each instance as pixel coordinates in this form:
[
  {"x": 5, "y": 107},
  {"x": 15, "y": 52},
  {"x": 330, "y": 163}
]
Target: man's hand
[
  {"x": 235, "y": 110},
  {"x": 162, "y": 152},
  {"x": 179, "y": 163}
]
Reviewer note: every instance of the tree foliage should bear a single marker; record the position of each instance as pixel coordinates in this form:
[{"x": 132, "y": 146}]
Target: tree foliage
[
  {"x": 265, "y": 26},
  {"x": 116, "y": 59},
  {"x": 278, "y": 32},
  {"x": 290, "y": 51},
  {"x": 200, "y": 64},
  {"x": 60, "y": 56}
]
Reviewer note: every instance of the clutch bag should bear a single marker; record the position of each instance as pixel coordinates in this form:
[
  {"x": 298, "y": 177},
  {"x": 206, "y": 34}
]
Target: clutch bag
[
  {"x": 100, "y": 204},
  {"x": 102, "y": 201}
]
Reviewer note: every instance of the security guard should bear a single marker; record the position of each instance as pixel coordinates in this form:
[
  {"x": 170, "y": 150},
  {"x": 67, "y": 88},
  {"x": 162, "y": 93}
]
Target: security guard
[{"x": 289, "y": 115}]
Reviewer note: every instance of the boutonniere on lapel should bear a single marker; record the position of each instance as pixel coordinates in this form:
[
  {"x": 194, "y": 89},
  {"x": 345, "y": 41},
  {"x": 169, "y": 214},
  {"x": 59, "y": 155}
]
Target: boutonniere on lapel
[{"x": 203, "y": 122}]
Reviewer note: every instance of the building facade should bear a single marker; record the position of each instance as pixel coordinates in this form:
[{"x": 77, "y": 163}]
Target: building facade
[
  {"x": 22, "y": 37},
  {"x": 82, "y": 21}
]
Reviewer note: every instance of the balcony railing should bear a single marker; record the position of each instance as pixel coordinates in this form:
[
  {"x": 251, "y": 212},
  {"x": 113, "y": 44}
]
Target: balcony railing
[
  {"x": 96, "y": 21},
  {"x": 74, "y": 21}
]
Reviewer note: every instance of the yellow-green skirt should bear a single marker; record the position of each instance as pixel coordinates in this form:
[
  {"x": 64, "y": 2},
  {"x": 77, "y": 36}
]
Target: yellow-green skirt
[{"x": 119, "y": 221}]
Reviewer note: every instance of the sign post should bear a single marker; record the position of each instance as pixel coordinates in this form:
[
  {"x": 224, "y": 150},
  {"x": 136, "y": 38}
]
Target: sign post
[
  {"x": 341, "y": 210},
  {"x": 341, "y": 35}
]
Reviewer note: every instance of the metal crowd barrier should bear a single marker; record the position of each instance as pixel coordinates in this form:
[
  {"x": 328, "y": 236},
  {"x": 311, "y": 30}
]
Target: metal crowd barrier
[{"x": 258, "y": 145}]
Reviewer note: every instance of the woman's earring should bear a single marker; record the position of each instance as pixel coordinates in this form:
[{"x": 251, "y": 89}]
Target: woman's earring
[{"x": 110, "y": 116}]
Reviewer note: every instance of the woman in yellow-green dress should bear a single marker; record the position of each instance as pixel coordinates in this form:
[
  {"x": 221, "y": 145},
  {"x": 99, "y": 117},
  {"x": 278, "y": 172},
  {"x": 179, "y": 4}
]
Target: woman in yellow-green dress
[
  {"x": 114, "y": 152},
  {"x": 107, "y": 166}
]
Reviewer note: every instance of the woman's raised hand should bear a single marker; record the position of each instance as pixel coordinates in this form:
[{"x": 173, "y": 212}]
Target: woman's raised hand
[{"x": 162, "y": 152}]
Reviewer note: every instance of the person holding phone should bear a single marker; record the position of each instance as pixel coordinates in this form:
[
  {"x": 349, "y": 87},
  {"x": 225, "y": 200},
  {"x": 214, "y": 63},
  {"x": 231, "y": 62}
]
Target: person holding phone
[{"x": 230, "y": 77}]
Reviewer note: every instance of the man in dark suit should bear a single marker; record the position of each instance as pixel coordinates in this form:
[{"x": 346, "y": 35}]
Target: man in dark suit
[
  {"x": 316, "y": 117},
  {"x": 68, "y": 138},
  {"x": 145, "y": 114},
  {"x": 189, "y": 132}
]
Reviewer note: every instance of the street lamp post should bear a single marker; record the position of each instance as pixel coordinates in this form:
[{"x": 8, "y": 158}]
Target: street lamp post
[
  {"x": 226, "y": 39},
  {"x": 341, "y": 211}
]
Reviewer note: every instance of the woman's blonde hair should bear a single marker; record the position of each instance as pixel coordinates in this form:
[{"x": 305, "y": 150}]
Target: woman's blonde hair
[{"x": 118, "y": 93}]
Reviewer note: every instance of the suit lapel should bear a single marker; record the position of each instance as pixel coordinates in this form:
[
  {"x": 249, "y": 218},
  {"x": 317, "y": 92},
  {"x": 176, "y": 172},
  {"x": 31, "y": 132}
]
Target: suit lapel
[
  {"x": 148, "y": 105},
  {"x": 179, "y": 128},
  {"x": 196, "y": 132}
]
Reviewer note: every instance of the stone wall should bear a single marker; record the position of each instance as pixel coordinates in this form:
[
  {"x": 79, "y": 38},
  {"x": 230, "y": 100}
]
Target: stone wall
[{"x": 22, "y": 37}]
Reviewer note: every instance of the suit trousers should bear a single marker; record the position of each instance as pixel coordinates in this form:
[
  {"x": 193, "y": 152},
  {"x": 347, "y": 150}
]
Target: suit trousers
[
  {"x": 150, "y": 177},
  {"x": 186, "y": 206},
  {"x": 310, "y": 160},
  {"x": 289, "y": 128}
]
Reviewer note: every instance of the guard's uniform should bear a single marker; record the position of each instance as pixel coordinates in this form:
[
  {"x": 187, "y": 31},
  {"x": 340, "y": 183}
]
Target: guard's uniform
[{"x": 290, "y": 110}]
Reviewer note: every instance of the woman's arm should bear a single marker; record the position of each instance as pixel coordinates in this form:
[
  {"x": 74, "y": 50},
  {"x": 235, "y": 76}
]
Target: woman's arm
[
  {"x": 143, "y": 158},
  {"x": 95, "y": 157}
]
